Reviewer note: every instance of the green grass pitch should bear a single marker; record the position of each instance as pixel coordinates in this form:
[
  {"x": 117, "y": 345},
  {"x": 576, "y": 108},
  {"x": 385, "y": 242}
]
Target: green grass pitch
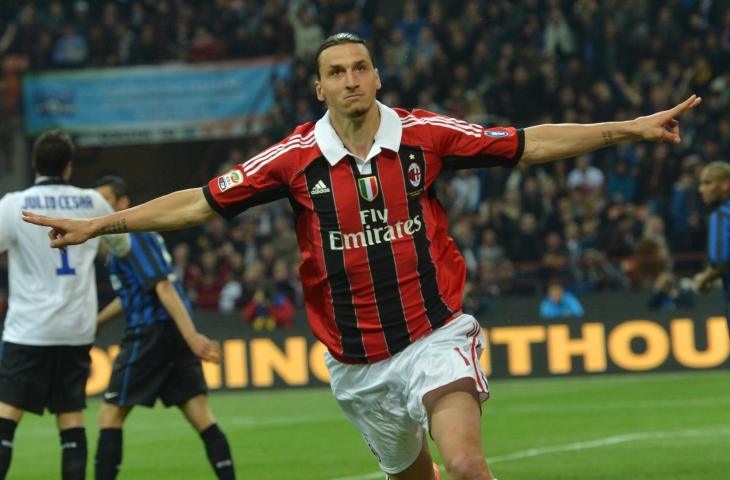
[{"x": 644, "y": 426}]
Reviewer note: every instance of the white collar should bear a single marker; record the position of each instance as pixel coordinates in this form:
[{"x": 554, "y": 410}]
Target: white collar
[
  {"x": 45, "y": 178},
  {"x": 388, "y": 136}
]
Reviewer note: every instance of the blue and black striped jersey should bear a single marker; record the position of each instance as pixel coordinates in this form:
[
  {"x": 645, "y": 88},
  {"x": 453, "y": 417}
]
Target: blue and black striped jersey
[
  {"x": 135, "y": 276},
  {"x": 718, "y": 243}
]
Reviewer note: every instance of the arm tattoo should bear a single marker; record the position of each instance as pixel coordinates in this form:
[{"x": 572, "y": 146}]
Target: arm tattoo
[
  {"x": 116, "y": 227},
  {"x": 608, "y": 138}
]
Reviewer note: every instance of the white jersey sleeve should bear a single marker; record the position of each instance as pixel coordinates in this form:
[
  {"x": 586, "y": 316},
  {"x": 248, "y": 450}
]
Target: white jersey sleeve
[{"x": 6, "y": 226}]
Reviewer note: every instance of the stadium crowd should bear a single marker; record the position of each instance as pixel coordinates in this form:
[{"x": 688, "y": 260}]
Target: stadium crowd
[{"x": 610, "y": 220}]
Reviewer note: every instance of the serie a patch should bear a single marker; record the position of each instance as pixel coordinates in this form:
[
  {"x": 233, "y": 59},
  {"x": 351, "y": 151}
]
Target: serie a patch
[{"x": 230, "y": 179}]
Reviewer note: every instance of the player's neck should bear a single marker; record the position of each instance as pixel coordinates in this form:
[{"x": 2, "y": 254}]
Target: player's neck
[{"x": 357, "y": 133}]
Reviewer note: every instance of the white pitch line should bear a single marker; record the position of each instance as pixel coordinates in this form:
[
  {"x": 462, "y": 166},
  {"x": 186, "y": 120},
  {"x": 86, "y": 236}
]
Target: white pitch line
[
  {"x": 607, "y": 441},
  {"x": 569, "y": 447},
  {"x": 606, "y": 405}
]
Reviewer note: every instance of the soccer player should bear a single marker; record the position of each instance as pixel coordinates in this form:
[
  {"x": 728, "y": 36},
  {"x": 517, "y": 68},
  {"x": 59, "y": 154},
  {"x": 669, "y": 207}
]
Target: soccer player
[
  {"x": 50, "y": 325},
  {"x": 160, "y": 351},
  {"x": 715, "y": 191},
  {"x": 382, "y": 280}
]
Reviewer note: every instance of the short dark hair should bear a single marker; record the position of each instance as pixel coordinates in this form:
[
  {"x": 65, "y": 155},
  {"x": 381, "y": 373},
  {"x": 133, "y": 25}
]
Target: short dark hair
[
  {"x": 341, "y": 39},
  {"x": 52, "y": 151},
  {"x": 117, "y": 184}
]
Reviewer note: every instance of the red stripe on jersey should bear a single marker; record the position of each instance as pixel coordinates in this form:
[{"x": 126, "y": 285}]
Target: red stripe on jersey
[
  {"x": 344, "y": 189},
  {"x": 320, "y": 315},
  {"x": 451, "y": 270},
  {"x": 391, "y": 176}
]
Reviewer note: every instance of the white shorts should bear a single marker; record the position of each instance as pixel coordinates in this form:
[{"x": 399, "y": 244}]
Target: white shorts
[{"x": 384, "y": 400}]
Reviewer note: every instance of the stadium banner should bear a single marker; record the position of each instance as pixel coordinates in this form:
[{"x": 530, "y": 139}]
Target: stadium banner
[
  {"x": 153, "y": 104},
  {"x": 605, "y": 342}
]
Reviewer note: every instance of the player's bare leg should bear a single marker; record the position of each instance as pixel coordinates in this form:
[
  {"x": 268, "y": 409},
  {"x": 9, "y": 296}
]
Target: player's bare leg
[
  {"x": 198, "y": 413},
  {"x": 113, "y": 416},
  {"x": 68, "y": 420},
  {"x": 422, "y": 468},
  {"x": 455, "y": 417},
  {"x": 10, "y": 412}
]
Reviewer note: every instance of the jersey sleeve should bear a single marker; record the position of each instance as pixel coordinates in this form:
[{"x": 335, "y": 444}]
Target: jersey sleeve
[
  {"x": 466, "y": 145},
  {"x": 6, "y": 224},
  {"x": 261, "y": 179},
  {"x": 718, "y": 240},
  {"x": 147, "y": 261}
]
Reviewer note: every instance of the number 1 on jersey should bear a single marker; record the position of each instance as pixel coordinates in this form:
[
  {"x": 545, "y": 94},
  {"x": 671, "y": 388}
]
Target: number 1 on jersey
[{"x": 65, "y": 267}]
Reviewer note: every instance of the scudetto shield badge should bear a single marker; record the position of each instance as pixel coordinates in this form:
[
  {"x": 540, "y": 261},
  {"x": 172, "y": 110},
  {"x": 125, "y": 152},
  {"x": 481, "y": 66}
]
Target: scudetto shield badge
[{"x": 368, "y": 188}]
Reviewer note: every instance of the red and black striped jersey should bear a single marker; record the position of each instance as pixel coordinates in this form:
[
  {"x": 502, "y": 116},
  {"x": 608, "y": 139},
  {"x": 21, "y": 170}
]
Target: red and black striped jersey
[{"x": 379, "y": 269}]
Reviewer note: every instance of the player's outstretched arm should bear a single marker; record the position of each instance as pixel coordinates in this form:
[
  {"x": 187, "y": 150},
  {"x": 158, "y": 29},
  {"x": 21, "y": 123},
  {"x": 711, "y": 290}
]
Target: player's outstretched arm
[
  {"x": 176, "y": 210},
  {"x": 202, "y": 346},
  {"x": 545, "y": 143}
]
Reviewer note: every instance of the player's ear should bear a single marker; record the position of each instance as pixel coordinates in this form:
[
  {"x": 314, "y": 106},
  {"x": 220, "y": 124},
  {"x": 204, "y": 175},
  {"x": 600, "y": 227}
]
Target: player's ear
[
  {"x": 123, "y": 203},
  {"x": 378, "y": 83},
  {"x": 318, "y": 90}
]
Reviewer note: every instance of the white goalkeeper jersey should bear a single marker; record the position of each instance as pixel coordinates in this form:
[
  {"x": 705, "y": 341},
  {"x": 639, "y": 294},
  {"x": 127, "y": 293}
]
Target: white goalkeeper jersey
[{"x": 52, "y": 293}]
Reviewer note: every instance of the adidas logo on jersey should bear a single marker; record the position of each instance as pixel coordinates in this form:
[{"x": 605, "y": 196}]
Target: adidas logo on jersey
[{"x": 320, "y": 188}]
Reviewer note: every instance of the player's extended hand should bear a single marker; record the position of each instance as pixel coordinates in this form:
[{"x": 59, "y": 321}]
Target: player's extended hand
[
  {"x": 663, "y": 126},
  {"x": 64, "y": 231},
  {"x": 205, "y": 348}
]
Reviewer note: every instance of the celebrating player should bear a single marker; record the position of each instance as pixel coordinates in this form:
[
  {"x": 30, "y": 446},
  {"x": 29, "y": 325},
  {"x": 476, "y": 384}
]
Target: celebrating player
[{"x": 382, "y": 279}]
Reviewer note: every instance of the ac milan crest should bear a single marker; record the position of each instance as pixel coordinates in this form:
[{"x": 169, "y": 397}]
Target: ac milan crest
[{"x": 414, "y": 174}]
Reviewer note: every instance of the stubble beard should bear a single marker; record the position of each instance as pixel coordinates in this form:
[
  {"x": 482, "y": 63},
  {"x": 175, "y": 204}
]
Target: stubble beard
[{"x": 359, "y": 113}]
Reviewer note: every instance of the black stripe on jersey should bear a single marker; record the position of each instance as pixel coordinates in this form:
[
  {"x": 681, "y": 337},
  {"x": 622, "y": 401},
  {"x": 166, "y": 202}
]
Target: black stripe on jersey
[
  {"x": 152, "y": 250},
  {"x": 325, "y": 209},
  {"x": 383, "y": 271},
  {"x": 259, "y": 198},
  {"x": 146, "y": 281},
  {"x": 436, "y": 309},
  {"x": 482, "y": 161}
]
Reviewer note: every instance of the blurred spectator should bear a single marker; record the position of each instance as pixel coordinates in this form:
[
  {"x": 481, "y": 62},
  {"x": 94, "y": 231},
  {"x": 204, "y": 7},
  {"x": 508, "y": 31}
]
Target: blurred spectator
[
  {"x": 667, "y": 295},
  {"x": 560, "y": 303},
  {"x": 651, "y": 255},
  {"x": 71, "y": 48},
  {"x": 465, "y": 186},
  {"x": 554, "y": 260},
  {"x": 598, "y": 274},
  {"x": 268, "y": 309},
  {"x": 685, "y": 214},
  {"x": 558, "y": 36},
  {"x": 527, "y": 245},
  {"x": 621, "y": 185},
  {"x": 490, "y": 250},
  {"x": 585, "y": 177},
  {"x": 307, "y": 33}
]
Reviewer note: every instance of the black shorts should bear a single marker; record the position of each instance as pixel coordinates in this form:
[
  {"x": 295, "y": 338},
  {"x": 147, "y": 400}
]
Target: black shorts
[
  {"x": 155, "y": 362},
  {"x": 36, "y": 377}
]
